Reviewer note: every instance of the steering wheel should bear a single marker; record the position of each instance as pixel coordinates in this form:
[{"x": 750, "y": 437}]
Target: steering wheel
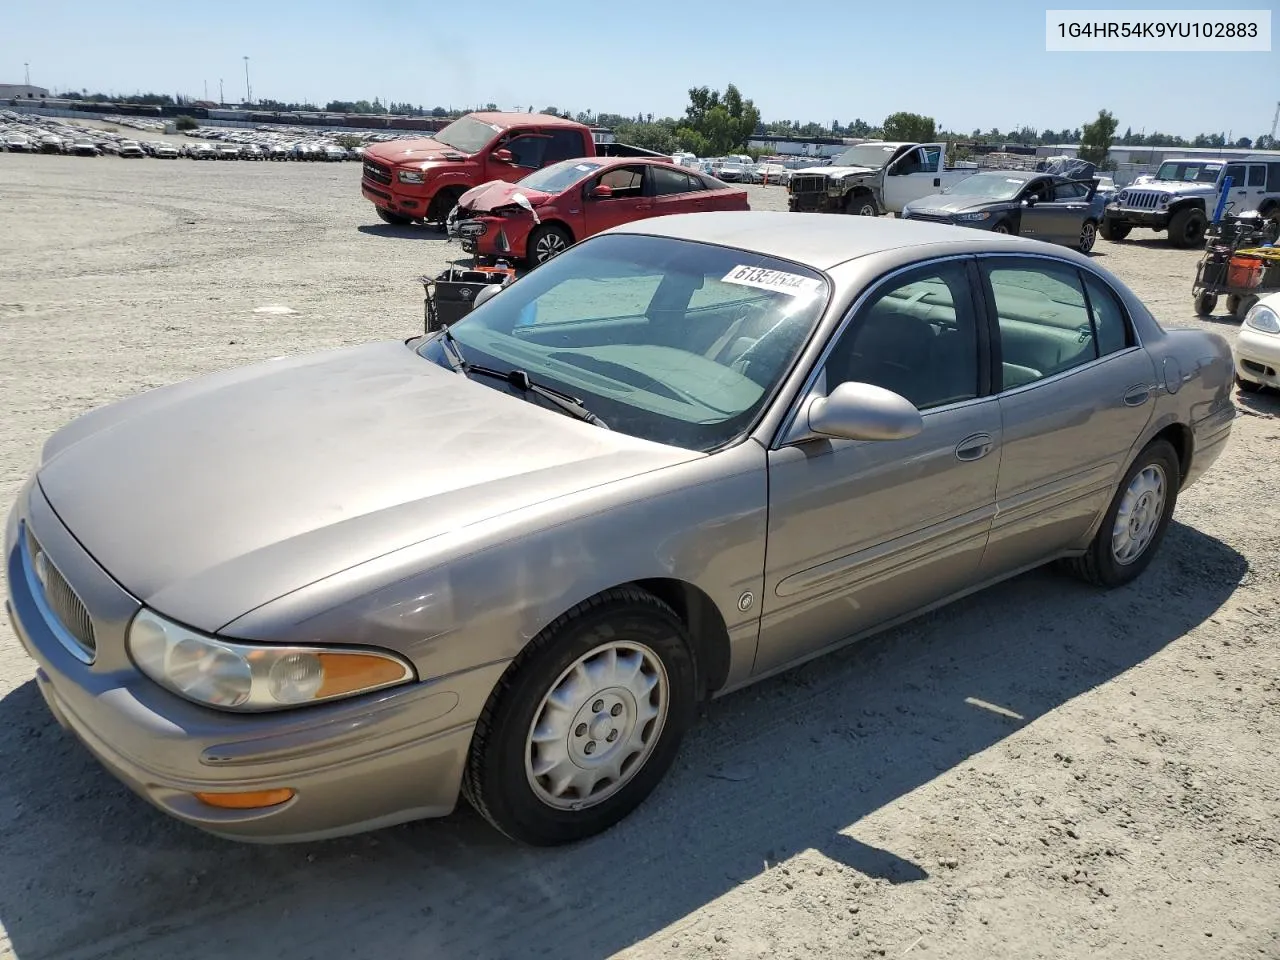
[{"x": 773, "y": 345}]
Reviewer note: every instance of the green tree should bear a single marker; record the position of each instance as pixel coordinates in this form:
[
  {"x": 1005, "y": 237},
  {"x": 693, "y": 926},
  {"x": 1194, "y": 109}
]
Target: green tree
[
  {"x": 909, "y": 126},
  {"x": 1097, "y": 136},
  {"x": 186, "y": 123},
  {"x": 1265, "y": 142},
  {"x": 719, "y": 123}
]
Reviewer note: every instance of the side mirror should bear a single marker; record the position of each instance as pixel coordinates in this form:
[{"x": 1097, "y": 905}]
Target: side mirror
[
  {"x": 1032, "y": 200},
  {"x": 863, "y": 411},
  {"x": 502, "y": 156},
  {"x": 601, "y": 191}
]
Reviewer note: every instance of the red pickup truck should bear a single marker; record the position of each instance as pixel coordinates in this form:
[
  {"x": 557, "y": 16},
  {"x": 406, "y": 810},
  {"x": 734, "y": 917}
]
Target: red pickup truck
[{"x": 422, "y": 179}]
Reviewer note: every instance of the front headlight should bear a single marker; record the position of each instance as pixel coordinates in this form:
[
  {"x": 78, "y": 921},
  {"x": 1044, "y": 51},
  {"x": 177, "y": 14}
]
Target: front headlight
[
  {"x": 411, "y": 176},
  {"x": 984, "y": 215},
  {"x": 1263, "y": 319},
  {"x": 255, "y": 677},
  {"x": 1165, "y": 198}
]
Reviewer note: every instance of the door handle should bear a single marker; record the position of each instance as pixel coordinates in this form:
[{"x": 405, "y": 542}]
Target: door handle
[
  {"x": 644, "y": 206},
  {"x": 937, "y": 181},
  {"x": 975, "y": 447},
  {"x": 1137, "y": 396}
]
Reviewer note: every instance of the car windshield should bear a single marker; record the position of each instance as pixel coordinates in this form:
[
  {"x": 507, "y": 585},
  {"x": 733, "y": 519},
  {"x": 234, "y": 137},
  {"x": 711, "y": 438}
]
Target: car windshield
[
  {"x": 559, "y": 176},
  {"x": 873, "y": 155},
  {"x": 672, "y": 341},
  {"x": 467, "y": 134},
  {"x": 993, "y": 186},
  {"x": 1188, "y": 172}
]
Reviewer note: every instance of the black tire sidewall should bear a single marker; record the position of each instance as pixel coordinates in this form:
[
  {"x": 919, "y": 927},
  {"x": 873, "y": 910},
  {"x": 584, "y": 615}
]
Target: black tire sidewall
[
  {"x": 1206, "y": 303},
  {"x": 1111, "y": 573},
  {"x": 537, "y": 234},
  {"x": 499, "y": 786}
]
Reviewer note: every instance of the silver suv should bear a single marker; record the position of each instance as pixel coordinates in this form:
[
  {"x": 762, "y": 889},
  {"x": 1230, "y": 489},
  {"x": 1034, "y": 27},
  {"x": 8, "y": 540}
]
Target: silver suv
[{"x": 1183, "y": 193}]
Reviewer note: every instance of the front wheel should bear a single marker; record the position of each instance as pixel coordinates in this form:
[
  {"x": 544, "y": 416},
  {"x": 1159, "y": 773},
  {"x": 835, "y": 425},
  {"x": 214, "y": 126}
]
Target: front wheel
[
  {"x": 1088, "y": 236},
  {"x": 545, "y": 242},
  {"x": 1187, "y": 227},
  {"x": 862, "y": 205},
  {"x": 585, "y": 721},
  {"x": 1002, "y": 227},
  {"x": 395, "y": 219},
  {"x": 1135, "y": 522},
  {"x": 1111, "y": 230},
  {"x": 1205, "y": 303}
]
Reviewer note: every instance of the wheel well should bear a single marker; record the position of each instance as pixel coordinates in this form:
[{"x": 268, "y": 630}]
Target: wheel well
[
  {"x": 558, "y": 223},
  {"x": 706, "y": 628},
  {"x": 1196, "y": 203},
  {"x": 1181, "y": 439}
]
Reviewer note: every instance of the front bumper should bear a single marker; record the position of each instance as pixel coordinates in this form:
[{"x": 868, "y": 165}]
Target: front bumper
[
  {"x": 814, "y": 202},
  {"x": 354, "y": 765},
  {"x": 487, "y": 236},
  {"x": 1257, "y": 357},
  {"x": 1152, "y": 219}
]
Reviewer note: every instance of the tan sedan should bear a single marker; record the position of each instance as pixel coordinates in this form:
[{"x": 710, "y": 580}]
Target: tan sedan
[{"x": 337, "y": 591}]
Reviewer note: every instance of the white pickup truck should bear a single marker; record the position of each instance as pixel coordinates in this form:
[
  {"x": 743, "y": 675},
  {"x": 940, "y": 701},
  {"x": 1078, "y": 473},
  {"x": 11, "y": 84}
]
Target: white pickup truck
[{"x": 874, "y": 177}]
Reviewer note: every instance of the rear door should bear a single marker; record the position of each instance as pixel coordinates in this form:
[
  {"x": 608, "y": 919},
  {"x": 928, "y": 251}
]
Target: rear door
[
  {"x": 1256, "y": 185},
  {"x": 1076, "y": 391},
  {"x": 1238, "y": 194},
  {"x": 674, "y": 191}
]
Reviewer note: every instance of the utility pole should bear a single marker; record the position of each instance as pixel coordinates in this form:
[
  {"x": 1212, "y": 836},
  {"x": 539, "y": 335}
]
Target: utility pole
[
  {"x": 221, "y": 100},
  {"x": 27, "y": 68},
  {"x": 206, "y": 91},
  {"x": 248, "y": 92},
  {"x": 1275, "y": 120}
]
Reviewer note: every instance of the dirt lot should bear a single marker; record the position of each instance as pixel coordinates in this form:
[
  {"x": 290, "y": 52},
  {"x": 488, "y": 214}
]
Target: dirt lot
[{"x": 1124, "y": 804}]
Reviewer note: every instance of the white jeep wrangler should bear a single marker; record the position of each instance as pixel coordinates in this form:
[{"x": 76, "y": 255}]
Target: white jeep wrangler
[{"x": 1183, "y": 194}]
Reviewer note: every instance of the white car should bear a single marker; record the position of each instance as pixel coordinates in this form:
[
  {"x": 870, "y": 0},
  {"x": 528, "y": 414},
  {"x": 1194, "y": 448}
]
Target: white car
[{"x": 1257, "y": 352}]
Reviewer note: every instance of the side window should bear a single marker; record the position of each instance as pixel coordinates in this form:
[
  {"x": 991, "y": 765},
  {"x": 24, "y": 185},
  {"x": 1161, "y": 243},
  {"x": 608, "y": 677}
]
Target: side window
[
  {"x": 1070, "y": 191},
  {"x": 1273, "y": 178},
  {"x": 1109, "y": 323},
  {"x": 932, "y": 157},
  {"x": 918, "y": 337},
  {"x": 1044, "y": 321},
  {"x": 910, "y": 163},
  {"x": 1236, "y": 172},
  {"x": 624, "y": 181},
  {"x": 527, "y": 150},
  {"x": 666, "y": 182},
  {"x": 563, "y": 145},
  {"x": 1257, "y": 175}
]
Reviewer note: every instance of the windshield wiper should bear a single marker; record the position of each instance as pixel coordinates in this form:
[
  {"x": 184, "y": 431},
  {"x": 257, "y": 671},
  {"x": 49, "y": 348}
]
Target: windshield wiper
[{"x": 521, "y": 380}]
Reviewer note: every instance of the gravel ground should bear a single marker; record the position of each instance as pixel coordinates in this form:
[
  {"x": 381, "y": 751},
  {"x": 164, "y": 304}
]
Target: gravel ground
[{"x": 1122, "y": 802}]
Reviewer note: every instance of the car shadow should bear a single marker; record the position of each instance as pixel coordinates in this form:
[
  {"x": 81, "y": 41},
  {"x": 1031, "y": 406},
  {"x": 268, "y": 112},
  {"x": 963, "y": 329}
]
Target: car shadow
[
  {"x": 790, "y": 765},
  {"x": 1263, "y": 403},
  {"x": 410, "y": 231}
]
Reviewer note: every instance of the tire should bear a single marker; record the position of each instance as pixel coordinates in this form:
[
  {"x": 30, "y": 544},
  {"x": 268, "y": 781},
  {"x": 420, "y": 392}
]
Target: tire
[
  {"x": 1205, "y": 303},
  {"x": 395, "y": 219},
  {"x": 545, "y": 242},
  {"x": 1088, "y": 236},
  {"x": 502, "y": 780},
  {"x": 1187, "y": 227},
  {"x": 1106, "y": 563},
  {"x": 862, "y": 205},
  {"x": 1247, "y": 386},
  {"x": 442, "y": 205},
  {"x": 1113, "y": 231},
  {"x": 1243, "y": 305},
  {"x": 1003, "y": 227}
]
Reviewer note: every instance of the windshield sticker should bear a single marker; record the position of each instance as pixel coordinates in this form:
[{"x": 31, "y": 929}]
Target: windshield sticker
[
  {"x": 587, "y": 167},
  {"x": 792, "y": 284}
]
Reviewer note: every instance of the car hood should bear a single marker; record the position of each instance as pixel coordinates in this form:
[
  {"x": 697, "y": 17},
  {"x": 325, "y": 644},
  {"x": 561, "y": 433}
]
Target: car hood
[
  {"x": 946, "y": 204},
  {"x": 836, "y": 171},
  {"x": 1174, "y": 186},
  {"x": 412, "y": 151},
  {"x": 496, "y": 194},
  {"x": 211, "y": 497}
]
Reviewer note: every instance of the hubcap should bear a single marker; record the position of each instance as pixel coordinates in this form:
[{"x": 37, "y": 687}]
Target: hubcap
[
  {"x": 597, "y": 726},
  {"x": 549, "y": 244},
  {"x": 1000, "y": 228},
  {"x": 1139, "y": 514},
  {"x": 1086, "y": 237}
]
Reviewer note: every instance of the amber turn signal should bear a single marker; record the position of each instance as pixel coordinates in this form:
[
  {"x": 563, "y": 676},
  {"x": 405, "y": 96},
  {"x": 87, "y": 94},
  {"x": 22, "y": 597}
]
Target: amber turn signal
[{"x": 252, "y": 800}]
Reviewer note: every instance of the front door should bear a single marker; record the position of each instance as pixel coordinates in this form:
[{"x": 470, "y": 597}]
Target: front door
[
  {"x": 915, "y": 174},
  {"x": 1040, "y": 219},
  {"x": 627, "y": 202},
  {"x": 861, "y": 532},
  {"x": 1076, "y": 389}
]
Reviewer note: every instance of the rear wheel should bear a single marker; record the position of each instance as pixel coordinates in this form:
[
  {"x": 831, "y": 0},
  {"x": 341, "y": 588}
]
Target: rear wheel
[
  {"x": 1111, "y": 230},
  {"x": 545, "y": 242},
  {"x": 1135, "y": 523},
  {"x": 585, "y": 722},
  {"x": 1187, "y": 227},
  {"x": 1205, "y": 303},
  {"x": 1088, "y": 236},
  {"x": 394, "y": 219}
]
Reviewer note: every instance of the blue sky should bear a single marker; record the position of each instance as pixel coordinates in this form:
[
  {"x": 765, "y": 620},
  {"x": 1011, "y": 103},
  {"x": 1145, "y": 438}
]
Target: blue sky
[{"x": 965, "y": 64}]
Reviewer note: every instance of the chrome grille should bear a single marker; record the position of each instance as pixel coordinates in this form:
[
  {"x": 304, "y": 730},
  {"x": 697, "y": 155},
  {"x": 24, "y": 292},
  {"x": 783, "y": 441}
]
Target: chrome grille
[
  {"x": 377, "y": 172},
  {"x": 71, "y": 613},
  {"x": 807, "y": 183},
  {"x": 1141, "y": 199},
  {"x": 930, "y": 217}
]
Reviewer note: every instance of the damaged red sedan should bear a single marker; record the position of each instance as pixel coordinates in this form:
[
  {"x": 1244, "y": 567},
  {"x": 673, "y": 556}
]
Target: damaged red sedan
[{"x": 536, "y": 218}]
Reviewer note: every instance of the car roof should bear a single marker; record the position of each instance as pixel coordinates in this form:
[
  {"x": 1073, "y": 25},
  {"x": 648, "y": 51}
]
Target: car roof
[
  {"x": 537, "y": 119},
  {"x": 821, "y": 240}
]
